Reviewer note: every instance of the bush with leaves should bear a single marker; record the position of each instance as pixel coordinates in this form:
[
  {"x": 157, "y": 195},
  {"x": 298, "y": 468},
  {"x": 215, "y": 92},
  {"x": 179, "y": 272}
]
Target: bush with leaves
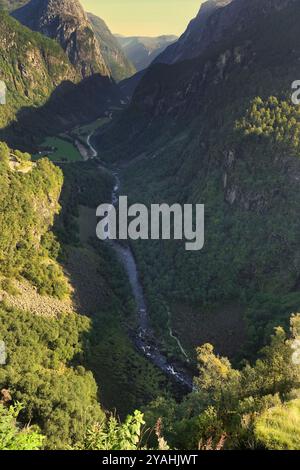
[
  {"x": 15, "y": 437},
  {"x": 113, "y": 435}
]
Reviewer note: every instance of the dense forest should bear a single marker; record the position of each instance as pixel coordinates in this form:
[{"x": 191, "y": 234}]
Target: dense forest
[{"x": 49, "y": 356}]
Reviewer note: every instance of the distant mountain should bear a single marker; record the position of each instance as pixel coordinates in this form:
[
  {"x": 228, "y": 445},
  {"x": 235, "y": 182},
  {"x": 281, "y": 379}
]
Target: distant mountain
[
  {"x": 119, "y": 65},
  {"x": 141, "y": 51},
  {"x": 66, "y": 22},
  {"x": 196, "y": 37}
]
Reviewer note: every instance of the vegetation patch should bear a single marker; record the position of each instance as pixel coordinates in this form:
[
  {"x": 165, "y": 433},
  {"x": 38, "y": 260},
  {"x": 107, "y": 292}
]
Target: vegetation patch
[
  {"x": 59, "y": 149},
  {"x": 279, "y": 428}
]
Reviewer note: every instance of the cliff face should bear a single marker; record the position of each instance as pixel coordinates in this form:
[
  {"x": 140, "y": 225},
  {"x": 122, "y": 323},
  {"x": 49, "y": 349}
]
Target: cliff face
[
  {"x": 120, "y": 66},
  {"x": 191, "y": 43},
  {"x": 214, "y": 19},
  {"x": 66, "y": 22},
  {"x": 235, "y": 38}
]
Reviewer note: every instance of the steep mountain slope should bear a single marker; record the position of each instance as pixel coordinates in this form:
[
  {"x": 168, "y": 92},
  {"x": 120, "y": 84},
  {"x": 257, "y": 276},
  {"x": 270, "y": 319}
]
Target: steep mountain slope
[
  {"x": 221, "y": 130},
  {"x": 66, "y": 22},
  {"x": 197, "y": 35},
  {"x": 33, "y": 72},
  {"x": 119, "y": 65},
  {"x": 141, "y": 51},
  {"x": 189, "y": 45},
  {"x": 45, "y": 93}
]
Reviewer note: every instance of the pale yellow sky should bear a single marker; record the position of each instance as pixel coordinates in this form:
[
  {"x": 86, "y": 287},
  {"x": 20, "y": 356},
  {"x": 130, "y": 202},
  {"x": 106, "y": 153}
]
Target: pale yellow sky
[{"x": 144, "y": 17}]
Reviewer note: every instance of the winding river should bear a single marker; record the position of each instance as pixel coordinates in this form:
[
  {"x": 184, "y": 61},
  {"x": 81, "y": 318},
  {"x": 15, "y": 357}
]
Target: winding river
[{"x": 144, "y": 337}]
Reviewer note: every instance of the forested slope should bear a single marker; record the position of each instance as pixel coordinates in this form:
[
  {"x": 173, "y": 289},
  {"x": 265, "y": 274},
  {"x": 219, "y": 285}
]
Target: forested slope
[{"x": 221, "y": 130}]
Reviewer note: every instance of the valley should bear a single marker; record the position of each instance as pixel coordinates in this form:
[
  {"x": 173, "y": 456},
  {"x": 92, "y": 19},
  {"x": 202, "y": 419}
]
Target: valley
[
  {"x": 145, "y": 344},
  {"x": 143, "y": 337}
]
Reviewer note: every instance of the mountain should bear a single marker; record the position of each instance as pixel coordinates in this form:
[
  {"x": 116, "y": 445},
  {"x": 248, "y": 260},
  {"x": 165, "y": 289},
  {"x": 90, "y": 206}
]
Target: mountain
[
  {"x": 66, "y": 22},
  {"x": 119, "y": 65},
  {"x": 197, "y": 35},
  {"x": 31, "y": 76},
  {"x": 189, "y": 45},
  {"x": 45, "y": 92},
  {"x": 141, "y": 51},
  {"x": 220, "y": 129},
  {"x": 194, "y": 41}
]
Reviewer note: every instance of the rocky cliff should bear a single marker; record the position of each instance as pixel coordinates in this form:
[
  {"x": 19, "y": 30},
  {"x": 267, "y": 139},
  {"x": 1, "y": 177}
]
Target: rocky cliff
[
  {"x": 195, "y": 38},
  {"x": 120, "y": 66},
  {"x": 67, "y": 23}
]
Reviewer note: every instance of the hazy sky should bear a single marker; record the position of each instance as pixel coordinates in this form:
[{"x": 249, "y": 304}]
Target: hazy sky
[{"x": 144, "y": 17}]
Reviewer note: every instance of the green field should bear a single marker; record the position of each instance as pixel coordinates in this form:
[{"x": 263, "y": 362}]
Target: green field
[{"x": 64, "y": 150}]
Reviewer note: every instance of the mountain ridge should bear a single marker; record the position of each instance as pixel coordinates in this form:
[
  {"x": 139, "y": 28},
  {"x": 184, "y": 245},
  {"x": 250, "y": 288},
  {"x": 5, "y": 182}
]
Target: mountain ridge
[
  {"x": 187, "y": 46},
  {"x": 119, "y": 65}
]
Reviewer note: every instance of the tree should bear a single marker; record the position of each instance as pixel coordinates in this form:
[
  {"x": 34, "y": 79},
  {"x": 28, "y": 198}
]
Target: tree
[{"x": 216, "y": 376}]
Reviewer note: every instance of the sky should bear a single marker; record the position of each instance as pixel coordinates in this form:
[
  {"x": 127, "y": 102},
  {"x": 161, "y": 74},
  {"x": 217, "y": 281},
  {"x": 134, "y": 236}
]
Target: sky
[{"x": 144, "y": 17}]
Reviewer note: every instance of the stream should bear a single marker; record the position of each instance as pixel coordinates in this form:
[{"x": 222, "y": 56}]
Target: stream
[{"x": 144, "y": 338}]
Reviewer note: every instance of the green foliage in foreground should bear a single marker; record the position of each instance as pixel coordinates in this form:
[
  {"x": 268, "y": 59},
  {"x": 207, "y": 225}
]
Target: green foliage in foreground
[
  {"x": 109, "y": 434},
  {"x": 235, "y": 409},
  {"x": 13, "y": 436},
  {"x": 242, "y": 408},
  {"x": 43, "y": 373},
  {"x": 279, "y": 428},
  {"x": 113, "y": 435}
]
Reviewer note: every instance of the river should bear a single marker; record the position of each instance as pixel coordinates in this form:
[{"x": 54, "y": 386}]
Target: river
[{"x": 144, "y": 337}]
